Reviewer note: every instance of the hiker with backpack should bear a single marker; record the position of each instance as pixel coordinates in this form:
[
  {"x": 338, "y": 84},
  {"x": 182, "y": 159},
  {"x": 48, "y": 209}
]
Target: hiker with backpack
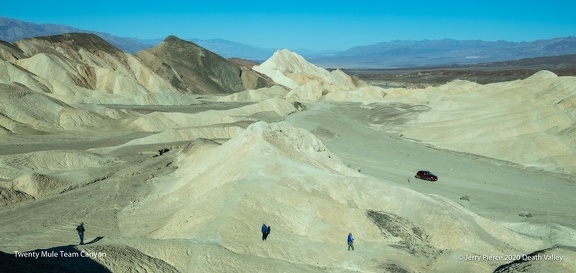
[{"x": 80, "y": 228}]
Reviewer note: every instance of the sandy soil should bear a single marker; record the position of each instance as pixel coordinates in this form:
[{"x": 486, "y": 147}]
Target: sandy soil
[
  {"x": 106, "y": 194},
  {"x": 490, "y": 184}
]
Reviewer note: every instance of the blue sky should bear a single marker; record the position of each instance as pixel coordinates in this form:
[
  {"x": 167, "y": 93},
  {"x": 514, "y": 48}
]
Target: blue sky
[{"x": 316, "y": 25}]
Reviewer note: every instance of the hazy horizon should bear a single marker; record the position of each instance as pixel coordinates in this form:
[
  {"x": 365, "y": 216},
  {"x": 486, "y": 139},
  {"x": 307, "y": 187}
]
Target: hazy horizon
[{"x": 319, "y": 25}]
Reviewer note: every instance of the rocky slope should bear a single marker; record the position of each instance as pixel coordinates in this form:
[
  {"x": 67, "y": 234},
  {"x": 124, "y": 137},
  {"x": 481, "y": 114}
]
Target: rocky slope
[
  {"x": 191, "y": 68},
  {"x": 76, "y": 72}
]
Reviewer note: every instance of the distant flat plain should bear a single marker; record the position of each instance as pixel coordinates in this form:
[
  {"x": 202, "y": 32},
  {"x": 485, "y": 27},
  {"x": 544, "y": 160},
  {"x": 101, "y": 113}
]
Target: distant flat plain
[{"x": 482, "y": 73}]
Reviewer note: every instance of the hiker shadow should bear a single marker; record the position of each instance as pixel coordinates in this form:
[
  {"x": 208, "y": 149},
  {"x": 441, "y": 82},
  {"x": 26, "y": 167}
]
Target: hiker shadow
[{"x": 95, "y": 240}]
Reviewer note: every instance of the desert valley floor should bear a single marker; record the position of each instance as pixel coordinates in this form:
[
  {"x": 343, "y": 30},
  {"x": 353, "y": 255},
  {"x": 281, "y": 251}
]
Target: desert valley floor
[{"x": 118, "y": 180}]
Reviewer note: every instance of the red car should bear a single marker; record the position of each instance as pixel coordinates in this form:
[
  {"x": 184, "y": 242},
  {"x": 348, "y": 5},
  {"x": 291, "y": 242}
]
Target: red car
[{"x": 426, "y": 175}]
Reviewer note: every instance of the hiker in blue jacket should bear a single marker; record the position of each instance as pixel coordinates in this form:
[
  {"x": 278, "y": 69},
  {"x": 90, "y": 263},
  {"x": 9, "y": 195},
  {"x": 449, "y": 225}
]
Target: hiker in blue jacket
[
  {"x": 350, "y": 241},
  {"x": 264, "y": 232}
]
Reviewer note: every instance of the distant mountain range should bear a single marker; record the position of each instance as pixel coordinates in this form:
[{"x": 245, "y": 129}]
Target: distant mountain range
[
  {"x": 393, "y": 54},
  {"x": 13, "y": 30},
  {"x": 396, "y": 54}
]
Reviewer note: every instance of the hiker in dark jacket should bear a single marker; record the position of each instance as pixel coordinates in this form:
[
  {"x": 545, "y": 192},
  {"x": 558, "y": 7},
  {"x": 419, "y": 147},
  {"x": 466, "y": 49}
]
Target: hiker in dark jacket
[
  {"x": 80, "y": 229},
  {"x": 264, "y": 230}
]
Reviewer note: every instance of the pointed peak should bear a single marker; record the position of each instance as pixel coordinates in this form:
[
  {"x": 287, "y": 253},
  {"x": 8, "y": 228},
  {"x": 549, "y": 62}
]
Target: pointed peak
[
  {"x": 172, "y": 38},
  {"x": 285, "y": 54},
  {"x": 286, "y": 60}
]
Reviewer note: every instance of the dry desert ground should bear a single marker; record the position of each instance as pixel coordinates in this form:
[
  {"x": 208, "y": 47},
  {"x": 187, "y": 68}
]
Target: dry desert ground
[{"x": 185, "y": 188}]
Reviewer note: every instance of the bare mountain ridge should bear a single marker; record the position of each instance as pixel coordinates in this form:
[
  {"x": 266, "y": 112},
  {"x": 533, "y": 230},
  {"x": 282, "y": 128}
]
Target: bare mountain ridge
[
  {"x": 79, "y": 62},
  {"x": 173, "y": 65},
  {"x": 10, "y": 52},
  {"x": 191, "y": 68},
  {"x": 67, "y": 69},
  {"x": 77, "y": 42},
  {"x": 225, "y": 48}
]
